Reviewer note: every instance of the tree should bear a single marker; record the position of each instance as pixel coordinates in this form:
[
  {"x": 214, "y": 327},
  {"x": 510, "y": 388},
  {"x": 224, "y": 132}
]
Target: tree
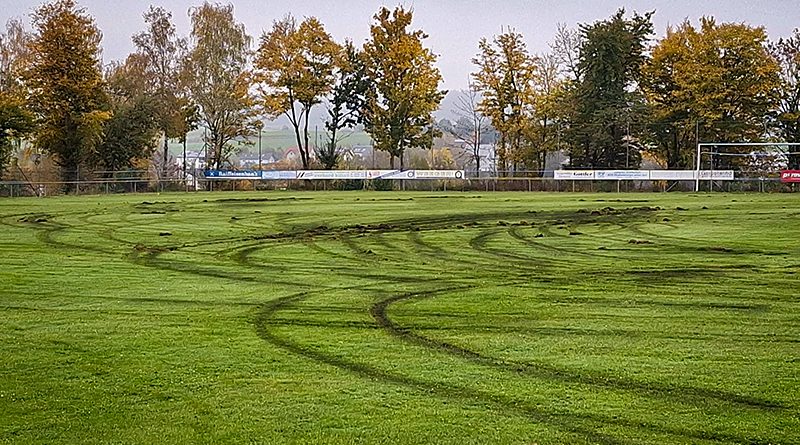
[
  {"x": 217, "y": 76},
  {"x": 399, "y": 108},
  {"x": 131, "y": 131},
  {"x": 505, "y": 77},
  {"x": 566, "y": 49},
  {"x": 542, "y": 132},
  {"x": 717, "y": 83},
  {"x": 163, "y": 52},
  {"x": 347, "y": 101},
  {"x": 15, "y": 120},
  {"x": 472, "y": 126},
  {"x": 295, "y": 66},
  {"x": 605, "y": 98},
  {"x": 786, "y": 53},
  {"x": 67, "y": 94}
]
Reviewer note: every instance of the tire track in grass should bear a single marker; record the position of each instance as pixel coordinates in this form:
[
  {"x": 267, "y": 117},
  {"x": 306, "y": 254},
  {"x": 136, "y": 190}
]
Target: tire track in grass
[
  {"x": 585, "y": 425},
  {"x": 549, "y": 372},
  {"x": 564, "y": 421},
  {"x": 531, "y": 263}
]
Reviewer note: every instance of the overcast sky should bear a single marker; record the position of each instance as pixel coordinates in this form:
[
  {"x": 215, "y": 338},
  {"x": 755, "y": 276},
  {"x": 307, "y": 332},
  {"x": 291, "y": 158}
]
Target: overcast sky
[{"x": 454, "y": 26}]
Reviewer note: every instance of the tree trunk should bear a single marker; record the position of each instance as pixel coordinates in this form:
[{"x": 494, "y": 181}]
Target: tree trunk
[
  {"x": 166, "y": 157},
  {"x": 304, "y": 152}
]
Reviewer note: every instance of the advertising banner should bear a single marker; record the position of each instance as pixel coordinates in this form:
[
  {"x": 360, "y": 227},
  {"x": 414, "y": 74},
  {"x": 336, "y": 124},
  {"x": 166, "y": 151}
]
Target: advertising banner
[
  {"x": 232, "y": 174},
  {"x": 439, "y": 174},
  {"x": 574, "y": 175},
  {"x": 278, "y": 174},
  {"x": 619, "y": 175},
  {"x": 672, "y": 175},
  {"x": 790, "y": 176},
  {"x": 719, "y": 175},
  {"x": 268, "y": 175},
  {"x": 642, "y": 175}
]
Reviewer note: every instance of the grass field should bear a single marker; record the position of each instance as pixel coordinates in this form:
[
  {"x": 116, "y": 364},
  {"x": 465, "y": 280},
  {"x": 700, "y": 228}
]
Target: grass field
[{"x": 361, "y": 317}]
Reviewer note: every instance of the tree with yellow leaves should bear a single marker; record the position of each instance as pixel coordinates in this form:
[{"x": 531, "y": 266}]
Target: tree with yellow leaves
[
  {"x": 405, "y": 93},
  {"x": 295, "y": 71},
  {"x": 506, "y": 78},
  {"x": 66, "y": 86},
  {"x": 718, "y": 80},
  {"x": 219, "y": 81}
]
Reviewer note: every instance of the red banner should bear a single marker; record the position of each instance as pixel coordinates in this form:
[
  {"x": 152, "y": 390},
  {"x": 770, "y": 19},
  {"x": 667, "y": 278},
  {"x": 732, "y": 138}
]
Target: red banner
[{"x": 790, "y": 176}]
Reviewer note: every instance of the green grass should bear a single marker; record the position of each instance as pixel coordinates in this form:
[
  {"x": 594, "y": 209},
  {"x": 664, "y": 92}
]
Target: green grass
[{"x": 400, "y": 318}]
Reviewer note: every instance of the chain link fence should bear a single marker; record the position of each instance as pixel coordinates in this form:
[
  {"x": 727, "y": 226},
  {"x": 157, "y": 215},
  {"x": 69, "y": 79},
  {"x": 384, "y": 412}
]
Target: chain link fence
[{"x": 530, "y": 181}]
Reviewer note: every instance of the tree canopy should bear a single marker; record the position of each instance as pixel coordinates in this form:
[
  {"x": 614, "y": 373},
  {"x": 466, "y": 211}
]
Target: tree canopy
[
  {"x": 398, "y": 112},
  {"x": 67, "y": 92},
  {"x": 219, "y": 79}
]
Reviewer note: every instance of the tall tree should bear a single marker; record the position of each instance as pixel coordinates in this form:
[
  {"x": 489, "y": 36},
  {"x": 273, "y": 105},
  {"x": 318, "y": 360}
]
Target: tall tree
[
  {"x": 505, "y": 77},
  {"x": 15, "y": 120},
  {"x": 543, "y": 129},
  {"x": 67, "y": 95},
  {"x": 406, "y": 92},
  {"x": 131, "y": 131},
  {"x": 605, "y": 98},
  {"x": 163, "y": 52},
  {"x": 346, "y": 103},
  {"x": 216, "y": 72},
  {"x": 718, "y": 81},
  {"x": 296, "y": 66},
  {"x": 787, "y": 53}
]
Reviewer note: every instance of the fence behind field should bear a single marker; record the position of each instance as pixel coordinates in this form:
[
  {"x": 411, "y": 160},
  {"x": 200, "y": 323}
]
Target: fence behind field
[{"x": 145, "y": 182}]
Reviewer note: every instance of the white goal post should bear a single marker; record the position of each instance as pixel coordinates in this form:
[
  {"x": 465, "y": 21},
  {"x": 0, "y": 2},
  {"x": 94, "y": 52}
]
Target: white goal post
[{"x": 735, "y": 144}]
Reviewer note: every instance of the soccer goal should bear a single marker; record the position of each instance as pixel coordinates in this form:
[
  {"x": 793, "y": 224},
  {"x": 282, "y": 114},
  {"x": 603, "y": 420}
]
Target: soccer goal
[{"x": 761, "y": 158}]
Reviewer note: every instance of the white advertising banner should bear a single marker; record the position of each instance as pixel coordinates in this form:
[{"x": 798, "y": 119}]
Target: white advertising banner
[
  {"x": 642, "y": 175},
  {"x": 440, "y": 174},
  {"x": 620, "y": 175},
  {"x": 574, "y": 175},
  {"x": 719, "y": 175},
  {"x": 672, "y": 175}
]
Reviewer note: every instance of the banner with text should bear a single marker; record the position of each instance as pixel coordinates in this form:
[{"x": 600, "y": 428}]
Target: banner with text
[
  {"x": 268, "y": 175},
  {"x": 642, "y": 175},
  {"x": 790, "y": 176}
]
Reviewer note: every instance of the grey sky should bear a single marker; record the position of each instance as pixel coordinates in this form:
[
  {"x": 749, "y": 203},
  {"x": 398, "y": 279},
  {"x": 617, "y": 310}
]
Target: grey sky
[{"x": 454, "y": 26}]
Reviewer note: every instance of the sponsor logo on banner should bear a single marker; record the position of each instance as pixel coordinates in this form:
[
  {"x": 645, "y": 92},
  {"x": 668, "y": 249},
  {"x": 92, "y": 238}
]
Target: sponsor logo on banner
[
  {"x": 575, "y": 175},
  {"x": 672, "y": 175},
  {"x": 790, "y": 176},
  {"x": 440, "y": 174},
  {"x": 721, "y": 175},
  {"x": 232, "y": 174},
  {"x": 331, "y": 174},
  {"x": 278, "y": 174},
  {"x": 641, "y": 175}
]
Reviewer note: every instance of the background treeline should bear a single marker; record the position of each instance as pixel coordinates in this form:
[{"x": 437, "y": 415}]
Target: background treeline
[{"x": 605, "y": 95}]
